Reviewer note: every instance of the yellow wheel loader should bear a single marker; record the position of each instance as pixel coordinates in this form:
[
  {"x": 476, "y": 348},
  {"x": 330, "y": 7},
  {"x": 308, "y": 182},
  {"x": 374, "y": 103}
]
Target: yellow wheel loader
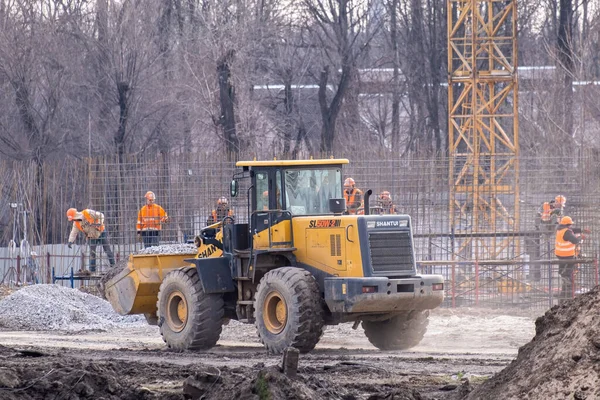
[{"x": 299, "y": 263}]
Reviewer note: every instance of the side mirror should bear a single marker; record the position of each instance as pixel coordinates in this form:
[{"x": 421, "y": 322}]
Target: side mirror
[
  {"x": 337, "y": 206},
  {"x": 233, "y": 190}
]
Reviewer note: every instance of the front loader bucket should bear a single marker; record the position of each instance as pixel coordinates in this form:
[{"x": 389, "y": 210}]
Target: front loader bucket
[{"x": 134, "y": 290}]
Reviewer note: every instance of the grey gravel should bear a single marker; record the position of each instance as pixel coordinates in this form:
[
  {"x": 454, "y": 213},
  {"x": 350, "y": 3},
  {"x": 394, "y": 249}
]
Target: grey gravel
[
  {"x": 58, "y": 308},
  {"x": 179, "y": 248}
]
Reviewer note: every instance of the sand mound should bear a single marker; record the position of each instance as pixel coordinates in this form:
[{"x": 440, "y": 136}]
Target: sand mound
[
  {"x": 57, "y": 308},
  {"x": 562, "y": 361}
]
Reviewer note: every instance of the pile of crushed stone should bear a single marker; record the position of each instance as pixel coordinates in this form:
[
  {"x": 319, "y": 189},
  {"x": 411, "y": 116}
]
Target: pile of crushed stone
[
  {"x": 179, "y": 248},
  {"x": 57, "y": 308},
  {"x": 562, "y": 361}
]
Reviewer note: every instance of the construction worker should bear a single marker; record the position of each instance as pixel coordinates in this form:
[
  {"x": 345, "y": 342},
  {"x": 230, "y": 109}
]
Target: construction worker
[
  {"x": 384, "y": 201},
  {"x": 150, "y": 220},
  {"x": 552, "y": 211},
  {"x": 221, "y": 211},
  {"x": 91, "y": 223},
  {"x": 549, "y": 215},
  {"x": 353, "y": 196},
  {"x": 567, "y": 248}
]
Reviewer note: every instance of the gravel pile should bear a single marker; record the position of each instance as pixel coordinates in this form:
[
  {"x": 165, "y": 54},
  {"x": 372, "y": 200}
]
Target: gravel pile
[
  {"x": 170, "y": 249},
  {"x": 57, "y": 308}
]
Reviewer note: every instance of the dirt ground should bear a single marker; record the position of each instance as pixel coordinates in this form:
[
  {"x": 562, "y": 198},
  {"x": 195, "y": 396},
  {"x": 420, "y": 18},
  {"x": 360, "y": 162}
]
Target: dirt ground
[{"x": 461, "y": 349}]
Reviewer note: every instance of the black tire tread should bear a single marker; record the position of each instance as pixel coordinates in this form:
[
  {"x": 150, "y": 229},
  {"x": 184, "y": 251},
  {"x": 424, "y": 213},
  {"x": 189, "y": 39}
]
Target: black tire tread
[
  {"x": 400, "y": 332},
  {"x": 206, "y": 313},
  {"x": 305, "y": 319}
]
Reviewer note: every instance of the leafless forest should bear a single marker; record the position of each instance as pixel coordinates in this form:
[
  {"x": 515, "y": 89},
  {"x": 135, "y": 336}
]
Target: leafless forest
[{"x": 86, "y": 79}]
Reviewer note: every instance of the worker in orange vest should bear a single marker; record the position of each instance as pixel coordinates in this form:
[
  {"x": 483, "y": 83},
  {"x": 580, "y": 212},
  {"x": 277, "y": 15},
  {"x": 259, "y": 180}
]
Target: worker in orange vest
[
  {"x": 353, "y": 196},
  {"x": 150, "y": 220},
  {"x": 384, "y": 201},
  {"x": 552, "y": 211},
  {"x": 221, "y": 211},
  {"x": 91, "y": 223},
  {"x": 567, "y": 248}
]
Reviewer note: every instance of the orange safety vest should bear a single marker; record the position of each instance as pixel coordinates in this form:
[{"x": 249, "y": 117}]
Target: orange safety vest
[
  {"x": 214, "y": 215},
  {"x": 546, "y": 212},
  {"x": 562, "y": 247},
  {"x": 89, "y": 220},
  {"x": 150, "y": 218},
  {"x": 351, "y": 199}
]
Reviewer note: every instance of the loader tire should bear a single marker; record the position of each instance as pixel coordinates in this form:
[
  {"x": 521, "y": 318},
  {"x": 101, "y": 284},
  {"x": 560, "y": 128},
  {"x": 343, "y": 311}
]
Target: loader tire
[
  {"x": 188, "y": 318},
  {"x": 288, "y": 310},
  {"x": 400, "y": 332}
]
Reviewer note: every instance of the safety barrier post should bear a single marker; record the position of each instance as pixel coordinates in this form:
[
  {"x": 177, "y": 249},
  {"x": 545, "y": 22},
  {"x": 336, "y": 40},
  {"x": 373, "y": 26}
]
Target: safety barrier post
[
  {"x": 550, "y": 294},
  {"x": 72, "y": 279},
  {"x": 453, "y": 286},
  {"x": 49, "y": 278},
  {"x": 476, "y": 282},
  {"x": 18, "y": 269},
  {"x": 573, "y": 281}
]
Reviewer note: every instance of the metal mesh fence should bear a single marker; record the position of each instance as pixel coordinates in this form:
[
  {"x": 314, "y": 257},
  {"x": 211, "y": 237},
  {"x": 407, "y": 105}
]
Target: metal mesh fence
[{"x": 36, "y": 197}]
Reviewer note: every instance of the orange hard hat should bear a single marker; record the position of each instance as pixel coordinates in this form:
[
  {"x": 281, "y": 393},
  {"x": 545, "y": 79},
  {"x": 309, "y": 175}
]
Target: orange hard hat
[
  {"x": 566, "y": 221},
  {"x": 150, "y": 195},
  {"x": 560, "y": 199},
  {"x": 349, "y": 182},
  {"x": 71, "y": 213},
  {"x": 222, "y": 200}
]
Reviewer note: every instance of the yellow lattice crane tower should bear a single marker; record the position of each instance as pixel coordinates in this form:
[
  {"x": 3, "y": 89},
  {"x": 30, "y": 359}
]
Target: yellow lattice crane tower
[{"x": 483, "y": 128}]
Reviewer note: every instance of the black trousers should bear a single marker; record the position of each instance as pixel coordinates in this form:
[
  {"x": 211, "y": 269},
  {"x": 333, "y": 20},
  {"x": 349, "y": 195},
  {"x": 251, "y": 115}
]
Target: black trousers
[
  {"x": 102, "y": 241},
  {"x": 150, "y": 238},
  {"x": 566, "y": 277}
]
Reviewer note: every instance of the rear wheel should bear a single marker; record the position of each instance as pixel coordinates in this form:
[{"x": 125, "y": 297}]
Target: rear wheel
[
  {"x": 288, "y": 310},
  {"x": 189, "y": 319},
  {"x": 400, "y": 332}
]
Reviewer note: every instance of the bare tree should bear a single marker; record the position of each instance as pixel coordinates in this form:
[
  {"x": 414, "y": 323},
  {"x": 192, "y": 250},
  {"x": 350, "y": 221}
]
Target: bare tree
[{"x": 338, "y": 26}]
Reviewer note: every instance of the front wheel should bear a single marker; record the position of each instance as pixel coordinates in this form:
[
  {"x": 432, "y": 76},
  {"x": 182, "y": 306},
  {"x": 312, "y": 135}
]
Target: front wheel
[
  {"x": 288, "y": 310},
  {"x": 189, "y": 319},
  {"x": 400, "y": 332}
]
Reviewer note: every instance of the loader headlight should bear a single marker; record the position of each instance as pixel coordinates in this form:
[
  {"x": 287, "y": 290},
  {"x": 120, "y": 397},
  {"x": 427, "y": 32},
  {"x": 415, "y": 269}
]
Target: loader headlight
[
  {"x": 369, "y": 289},
  {"x": 437, "y": 286}
]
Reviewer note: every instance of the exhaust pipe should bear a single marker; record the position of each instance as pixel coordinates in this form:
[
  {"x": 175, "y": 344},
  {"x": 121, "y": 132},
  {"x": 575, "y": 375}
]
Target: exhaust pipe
[{"x": 368, "y": 194}]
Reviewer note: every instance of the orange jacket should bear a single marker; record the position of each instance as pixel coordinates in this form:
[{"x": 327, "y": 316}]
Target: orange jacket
[
  {"x": 91, "y": 224},
  {"x": 354, "y": 200},
  {"x": 151, "y": 217},
  {"x": 216, "y": 216},
  {"x": 563, "y": 247},
  {"x": 546, "y": 213}
]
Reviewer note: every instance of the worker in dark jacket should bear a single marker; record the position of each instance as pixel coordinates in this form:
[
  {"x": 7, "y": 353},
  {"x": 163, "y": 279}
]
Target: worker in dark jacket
[{"x": 567, "y": 248}]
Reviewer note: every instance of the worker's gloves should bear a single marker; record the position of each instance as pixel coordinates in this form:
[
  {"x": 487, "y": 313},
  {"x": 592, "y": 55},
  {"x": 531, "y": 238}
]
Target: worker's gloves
[
  {"x": 588, "y": 231},
  {"x": 70, "y": 245},
  {"x": 582, "y": 237},
  {"x": 165, "y": 219}
]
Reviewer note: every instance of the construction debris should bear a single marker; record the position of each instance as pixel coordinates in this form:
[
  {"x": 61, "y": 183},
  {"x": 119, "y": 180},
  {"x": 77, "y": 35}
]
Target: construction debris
[
  {"x": 562, "y": 360},
  {"x": 57, "y": 308}
]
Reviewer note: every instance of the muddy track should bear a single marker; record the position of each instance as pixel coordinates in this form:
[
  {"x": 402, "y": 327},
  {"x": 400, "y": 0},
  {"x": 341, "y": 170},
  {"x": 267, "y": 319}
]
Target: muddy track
[
  {"x": 159, "y": 373},
  {"x": 136, "y": 364}
]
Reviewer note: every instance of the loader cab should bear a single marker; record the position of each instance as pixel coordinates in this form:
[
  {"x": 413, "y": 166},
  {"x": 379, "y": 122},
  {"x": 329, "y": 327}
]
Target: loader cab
[{"x": 281, "y": 190}]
